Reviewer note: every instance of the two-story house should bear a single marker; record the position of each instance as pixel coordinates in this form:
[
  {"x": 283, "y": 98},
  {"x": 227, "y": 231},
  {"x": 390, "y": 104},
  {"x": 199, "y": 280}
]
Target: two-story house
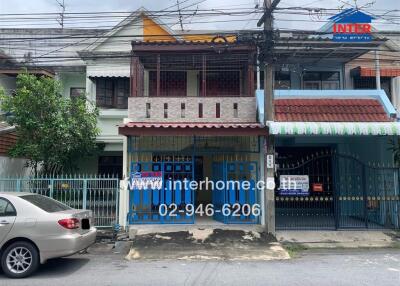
[
  {"x": 184, "y": 106},
  {"x": 193, "y": 114}
]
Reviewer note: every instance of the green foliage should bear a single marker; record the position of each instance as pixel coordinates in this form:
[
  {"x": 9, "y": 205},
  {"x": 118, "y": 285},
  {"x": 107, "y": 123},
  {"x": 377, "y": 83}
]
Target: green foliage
[{"x": 53, "y": 131}]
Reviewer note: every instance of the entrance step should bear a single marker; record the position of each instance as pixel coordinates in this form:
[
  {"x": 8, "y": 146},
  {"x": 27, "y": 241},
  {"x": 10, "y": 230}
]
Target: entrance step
[
  {"x": 135, "y": 230},
  {"x": 210, "y": 243},
  {"x": 340, "y": 239}
]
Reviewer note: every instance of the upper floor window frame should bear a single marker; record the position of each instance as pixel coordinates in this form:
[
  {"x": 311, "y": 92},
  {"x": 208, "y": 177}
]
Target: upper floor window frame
[
  {"x": 112, "y": 92},
  {"x": 321, "y": 80}
]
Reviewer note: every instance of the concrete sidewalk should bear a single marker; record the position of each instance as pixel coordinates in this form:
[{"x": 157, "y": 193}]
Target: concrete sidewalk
[
  {"x": 340, "y": 239},
  {"x": 206, "y": 244}
]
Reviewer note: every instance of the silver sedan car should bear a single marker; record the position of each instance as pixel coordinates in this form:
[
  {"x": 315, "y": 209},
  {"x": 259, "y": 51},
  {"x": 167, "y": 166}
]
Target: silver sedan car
[{"x": 35, "y": 228}]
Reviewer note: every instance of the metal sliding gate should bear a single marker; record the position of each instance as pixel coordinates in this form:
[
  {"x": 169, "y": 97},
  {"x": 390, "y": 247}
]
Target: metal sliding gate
[{"x": 344, "y": 193}]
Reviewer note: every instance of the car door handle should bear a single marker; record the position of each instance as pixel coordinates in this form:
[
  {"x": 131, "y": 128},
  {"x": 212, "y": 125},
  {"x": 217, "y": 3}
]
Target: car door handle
[{"x": 4, "y": 222}]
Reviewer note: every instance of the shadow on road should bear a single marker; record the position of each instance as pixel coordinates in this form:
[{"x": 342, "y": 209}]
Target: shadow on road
[{"x": 56, "y": 268}]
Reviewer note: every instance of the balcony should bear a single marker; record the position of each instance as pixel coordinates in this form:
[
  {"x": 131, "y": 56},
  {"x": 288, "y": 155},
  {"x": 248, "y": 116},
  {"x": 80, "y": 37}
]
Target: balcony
[{"x": 192, "y": 109}]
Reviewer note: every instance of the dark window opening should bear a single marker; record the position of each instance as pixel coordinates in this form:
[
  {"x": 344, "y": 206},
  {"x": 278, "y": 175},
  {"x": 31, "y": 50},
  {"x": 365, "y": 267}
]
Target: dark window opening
[
  {"x": 226, "y": 83},
  {"x": 217, "y": 110},
  {"x": 172, "y": 83},
  {"x": 112, "y": 92},
  {"x": 370, "y": 83},
  {"x": 148, "y": 107},
  {"x": 77, "y": 92},
  {"x": 110, "y": 166},
  {"x": 321, "y": 80},
  {"x": 165, "y": 110},
  {"x": 235, "y": 110},
  {"x": 183, "y": 109},
  {"x": 282, "y": 80},
  {"x": 200, "y": 110}
]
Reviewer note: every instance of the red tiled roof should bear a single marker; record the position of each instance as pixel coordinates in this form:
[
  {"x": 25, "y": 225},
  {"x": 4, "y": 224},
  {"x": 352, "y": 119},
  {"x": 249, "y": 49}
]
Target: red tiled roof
[
  {"x": 330, "y": 110},
  {"x": 371, "y": 72},
  {"x": 7, "y": 141}
]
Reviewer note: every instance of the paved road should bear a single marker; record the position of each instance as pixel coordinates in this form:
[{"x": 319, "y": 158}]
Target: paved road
[{"x": 316, "y": 268}]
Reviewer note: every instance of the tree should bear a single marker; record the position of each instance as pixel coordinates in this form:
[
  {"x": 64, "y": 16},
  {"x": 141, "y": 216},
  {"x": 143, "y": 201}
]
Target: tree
[{"x": 53, "y": 131}]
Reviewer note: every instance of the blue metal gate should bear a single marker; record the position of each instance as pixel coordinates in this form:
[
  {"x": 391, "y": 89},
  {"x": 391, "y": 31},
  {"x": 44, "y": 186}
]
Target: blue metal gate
[
  {"x": 168, "y": 204},
  {"x": 236, "y": 196}
]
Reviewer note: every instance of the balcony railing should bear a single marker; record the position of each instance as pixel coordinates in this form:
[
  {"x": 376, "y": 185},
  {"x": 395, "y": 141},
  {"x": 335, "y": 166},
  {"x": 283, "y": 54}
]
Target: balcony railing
[{"x": 192, "y": 109}]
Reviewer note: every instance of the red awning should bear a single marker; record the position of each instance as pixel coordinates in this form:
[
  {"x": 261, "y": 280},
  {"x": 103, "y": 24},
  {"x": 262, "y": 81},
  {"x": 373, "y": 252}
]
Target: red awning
[
  {"x": 192, "y": 129},
  {"x": 371, "y": 72}
]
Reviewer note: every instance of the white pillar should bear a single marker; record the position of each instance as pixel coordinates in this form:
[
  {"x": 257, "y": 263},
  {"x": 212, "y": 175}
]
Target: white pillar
[
  {"x": 377, "y": 71},
  {"x": 123, "y": 204},
  {"x": 395, "y": 88}
]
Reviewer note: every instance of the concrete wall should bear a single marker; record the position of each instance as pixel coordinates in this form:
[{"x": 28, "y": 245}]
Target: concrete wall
[
  {"x": 70, "y": 79},
  {"x": 247, "y": 110},
  {"x": 13, "y": 167},
  {"x": 7, "y": 83},
  {"x": 122, "y": 39}
]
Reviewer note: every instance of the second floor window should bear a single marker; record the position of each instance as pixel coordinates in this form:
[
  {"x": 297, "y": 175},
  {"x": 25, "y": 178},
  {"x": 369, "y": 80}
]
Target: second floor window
[
  {"x": 321, "y": 80},
  {"x": 112, "y": 92},
  {"x": 172, "y": 83}
]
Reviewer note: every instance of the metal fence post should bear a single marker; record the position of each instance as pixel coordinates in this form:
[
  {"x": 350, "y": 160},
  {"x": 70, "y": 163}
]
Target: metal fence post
[
  {"x": 51, "y": 188},
  {"x": 365, "y": 195},
  {"x": 84, "y": 202},
  {"x": 18, "y": 185}
]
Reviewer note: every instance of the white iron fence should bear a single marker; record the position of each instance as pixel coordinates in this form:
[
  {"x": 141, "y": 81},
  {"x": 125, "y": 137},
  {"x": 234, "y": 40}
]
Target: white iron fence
[{"x": 99, "y": 194}]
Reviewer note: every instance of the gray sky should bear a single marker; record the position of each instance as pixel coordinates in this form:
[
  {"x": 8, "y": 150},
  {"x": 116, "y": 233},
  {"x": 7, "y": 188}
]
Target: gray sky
[{"x": 312, "y": 21}]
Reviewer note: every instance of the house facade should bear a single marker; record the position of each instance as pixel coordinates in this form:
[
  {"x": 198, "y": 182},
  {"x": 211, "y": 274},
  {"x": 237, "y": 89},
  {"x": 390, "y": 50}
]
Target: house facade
[{"x": 191, "y": 108}]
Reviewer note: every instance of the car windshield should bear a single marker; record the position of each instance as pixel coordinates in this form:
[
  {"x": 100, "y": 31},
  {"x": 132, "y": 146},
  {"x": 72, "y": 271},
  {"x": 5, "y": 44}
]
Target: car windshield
[{"x": 45, "y": 203}]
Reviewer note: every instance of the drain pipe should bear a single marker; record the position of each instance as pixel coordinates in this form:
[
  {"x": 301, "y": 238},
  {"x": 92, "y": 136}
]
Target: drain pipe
[{"x": 377, "y": 71}]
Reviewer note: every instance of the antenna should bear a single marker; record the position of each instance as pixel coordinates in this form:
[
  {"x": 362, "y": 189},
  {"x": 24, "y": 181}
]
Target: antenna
[
  {"x": 356, "y": 4},
  {"x": 62, "y": 5}
]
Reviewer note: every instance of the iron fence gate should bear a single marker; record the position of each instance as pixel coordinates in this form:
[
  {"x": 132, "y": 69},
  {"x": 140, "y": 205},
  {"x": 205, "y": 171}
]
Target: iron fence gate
[
  {"x": 167, "y": 204},
  {"x": 344, "y": 193},
  {"x": 235, "y": 196},
  {"x": 98, "y": 194}
]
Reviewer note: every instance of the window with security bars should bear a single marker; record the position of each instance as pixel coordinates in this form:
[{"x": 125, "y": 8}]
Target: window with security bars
[
  {"x": 370, "y": 83},
  {"x": 112, "y": 92},
  {"x": 221, "y": 83},
  {"x": 321, "y": 80},
  {"x": 172, "y": 83}
]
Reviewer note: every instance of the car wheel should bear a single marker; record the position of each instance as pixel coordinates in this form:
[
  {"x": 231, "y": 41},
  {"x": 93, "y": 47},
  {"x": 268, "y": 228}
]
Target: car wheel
[{"x": 20, "y": 259}]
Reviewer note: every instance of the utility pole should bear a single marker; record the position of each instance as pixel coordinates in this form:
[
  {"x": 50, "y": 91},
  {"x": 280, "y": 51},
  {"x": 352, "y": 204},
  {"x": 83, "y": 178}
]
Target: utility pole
[
  {"x": 62, "y": 5},
  {"x": 269, "y": 142},
  {"x": 180, "y": 15}
]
